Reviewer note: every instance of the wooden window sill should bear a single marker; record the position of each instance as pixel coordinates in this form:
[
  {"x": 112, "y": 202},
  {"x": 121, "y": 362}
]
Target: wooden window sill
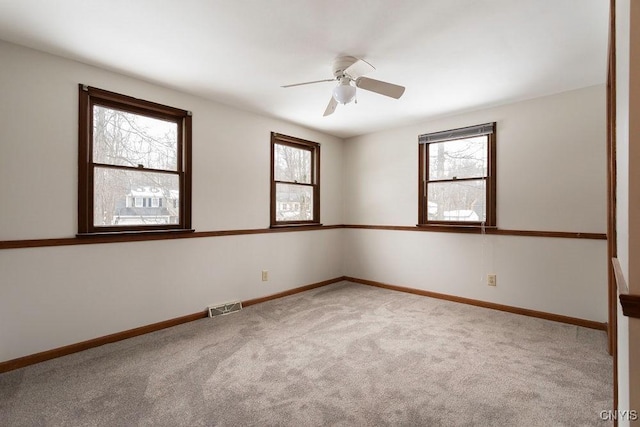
[
  {"x": 304, "y": 224},
  {"x": 459, "y": 228},
  {"x": 140, "y": 233}
]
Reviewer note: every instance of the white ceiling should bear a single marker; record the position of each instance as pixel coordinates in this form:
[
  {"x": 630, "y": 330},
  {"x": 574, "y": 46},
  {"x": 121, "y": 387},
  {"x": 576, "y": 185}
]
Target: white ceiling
[{"x": 452, "y": 55}]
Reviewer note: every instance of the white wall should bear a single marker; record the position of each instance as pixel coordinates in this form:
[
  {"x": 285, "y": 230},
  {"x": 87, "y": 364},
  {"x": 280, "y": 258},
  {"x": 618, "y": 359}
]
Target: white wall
[
  {"x": 551, "y": 176},
  {"x": 50, "y": 297}
]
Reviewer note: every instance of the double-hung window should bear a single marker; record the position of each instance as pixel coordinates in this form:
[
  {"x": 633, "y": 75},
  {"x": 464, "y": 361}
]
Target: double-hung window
[
  {"x": 134, "y": 165},
  {"x": 295, "y": 181},
  {"x": 458, "y": 176}
]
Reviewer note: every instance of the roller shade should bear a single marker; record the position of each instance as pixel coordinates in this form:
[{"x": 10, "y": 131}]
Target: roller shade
[{"x": 468, "y": 132}]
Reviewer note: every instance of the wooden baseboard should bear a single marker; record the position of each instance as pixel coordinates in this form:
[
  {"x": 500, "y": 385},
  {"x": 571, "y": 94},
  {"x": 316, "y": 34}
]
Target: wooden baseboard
[
  {"x": 32, "y": 359},
  {"x": 516, "y": 310},
  {"x": 292, "y": 291}
]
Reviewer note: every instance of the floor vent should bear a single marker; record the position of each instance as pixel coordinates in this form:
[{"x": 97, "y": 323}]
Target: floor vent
[{"x": 219, "y": 310}]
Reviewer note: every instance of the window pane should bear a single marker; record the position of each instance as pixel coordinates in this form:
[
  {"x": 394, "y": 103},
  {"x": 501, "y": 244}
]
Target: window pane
[
  {"x": 457, "y": 201},
  {"x": 462, "y": 158},
  {"x": 294, "y": 202},
  {"x": 127, "y": 139},
  {"x": 120, "y": 198},
  {"x": 292, "y": 164}
]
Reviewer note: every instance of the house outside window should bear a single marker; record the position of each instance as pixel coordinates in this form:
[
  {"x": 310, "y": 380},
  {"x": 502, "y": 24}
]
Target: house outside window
[{"x": 458, "y": 177}]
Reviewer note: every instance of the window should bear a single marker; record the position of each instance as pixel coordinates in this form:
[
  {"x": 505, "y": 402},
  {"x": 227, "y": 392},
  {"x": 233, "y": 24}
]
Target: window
[
  {"x": 458, "y": 176},
  {"x": 132, "y": 150},
  {"x": 295, "y": 181}
]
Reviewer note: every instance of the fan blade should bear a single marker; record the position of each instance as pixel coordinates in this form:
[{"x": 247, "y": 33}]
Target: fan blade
[
  {"x": 310, "y": 83},
  {"x": 359, "y": 68},
  {"x": 331, "y": 107},
  {"x": 377, "y": 86}
]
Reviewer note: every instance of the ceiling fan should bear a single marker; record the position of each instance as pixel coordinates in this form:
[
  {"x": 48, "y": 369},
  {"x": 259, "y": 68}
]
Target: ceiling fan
[{"x": 348, "y": 71}]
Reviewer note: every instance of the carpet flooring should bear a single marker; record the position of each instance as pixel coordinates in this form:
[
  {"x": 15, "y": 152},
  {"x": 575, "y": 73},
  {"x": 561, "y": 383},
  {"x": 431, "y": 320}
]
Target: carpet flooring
[{"x": 344, "y": 355}]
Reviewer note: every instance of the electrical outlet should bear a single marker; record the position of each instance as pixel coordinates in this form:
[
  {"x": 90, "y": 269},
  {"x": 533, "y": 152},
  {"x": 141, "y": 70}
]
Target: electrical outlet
[
  {"x": 491, "y": 279},
  {"x": 265, "y": 275}
]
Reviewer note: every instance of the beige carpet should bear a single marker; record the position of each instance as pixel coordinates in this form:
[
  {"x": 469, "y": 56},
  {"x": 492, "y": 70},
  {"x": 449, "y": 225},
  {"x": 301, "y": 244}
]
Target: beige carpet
[{"x": 344, "y": 354}]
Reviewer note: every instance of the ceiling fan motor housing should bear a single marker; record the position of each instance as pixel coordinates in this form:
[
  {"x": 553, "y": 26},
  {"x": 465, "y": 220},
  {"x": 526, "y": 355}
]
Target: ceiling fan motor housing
[{"x": 342, "y": 63}]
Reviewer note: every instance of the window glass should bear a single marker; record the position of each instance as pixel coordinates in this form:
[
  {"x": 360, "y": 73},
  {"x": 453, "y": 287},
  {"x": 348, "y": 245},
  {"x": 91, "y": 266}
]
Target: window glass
[
  {"x": 127, "y": 139},
  {"x": 461, "y": 158},
  {"x": 457, "y": 201},
  {"x": 292, "y": 164},
  {"x": 114, "y": 186},
  {"x": 295, "y": 202}
]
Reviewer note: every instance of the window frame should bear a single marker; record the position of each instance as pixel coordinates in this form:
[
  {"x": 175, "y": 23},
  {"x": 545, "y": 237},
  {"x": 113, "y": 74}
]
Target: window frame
[
  {"x": 490, "y": 180},
  {"x": 90, "y": 96},
  {"x": 314, "y": 149}
]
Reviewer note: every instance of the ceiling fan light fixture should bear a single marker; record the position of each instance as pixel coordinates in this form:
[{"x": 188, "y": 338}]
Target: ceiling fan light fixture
[{"x": 344, "y": 93}]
